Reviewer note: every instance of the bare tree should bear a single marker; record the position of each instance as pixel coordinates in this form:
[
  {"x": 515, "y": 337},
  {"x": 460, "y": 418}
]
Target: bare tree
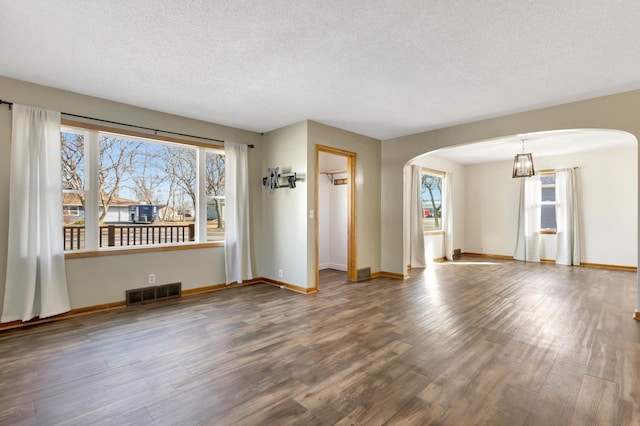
[
  {"x": 148, "y": 180},
  {"x": 180, "y": 167},
  {"x": 215, "y": 181},
  {"x": 72, "y": 153},
  {"x": 163, "y": 199},
  {"x": 430, "y": 184},
  {"x": 116, "y": 162},
  {"x": 155, "y": 175}
]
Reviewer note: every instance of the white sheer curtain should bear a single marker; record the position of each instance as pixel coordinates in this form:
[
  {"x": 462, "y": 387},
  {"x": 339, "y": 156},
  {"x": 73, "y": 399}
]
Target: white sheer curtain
[
  {"x": 567, "y": 221},
  {"x": 527, "y": 243},
  {"x": 36, "y": 280},
  {"x": 237, "y": 245},
  {"x": 416, "y": 227},
  {"x": 447, "y": 206}
]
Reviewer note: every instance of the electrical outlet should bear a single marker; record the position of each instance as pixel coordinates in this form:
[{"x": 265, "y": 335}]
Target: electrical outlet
[
  {"x": 152, "y": 278},
  {"x": 280, "y": 273}
]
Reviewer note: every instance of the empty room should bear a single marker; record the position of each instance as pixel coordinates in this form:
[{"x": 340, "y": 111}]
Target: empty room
[{"x": 367, "y": 212}]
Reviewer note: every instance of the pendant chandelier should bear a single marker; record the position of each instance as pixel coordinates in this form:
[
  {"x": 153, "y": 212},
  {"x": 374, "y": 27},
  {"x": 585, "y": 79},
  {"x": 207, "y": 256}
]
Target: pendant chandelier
[{"x": 523, "y": 164}]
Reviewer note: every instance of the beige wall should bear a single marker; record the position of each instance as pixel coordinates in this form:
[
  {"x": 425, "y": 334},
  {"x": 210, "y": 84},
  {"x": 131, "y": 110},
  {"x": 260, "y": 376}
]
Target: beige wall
[
  {"x": 284, "y": 219},
  {"x": 94, "y": 281},
  {"x": 618, "y": 111},
  {"x": 288, "y": 228},
  {"x": 492, "y": 198}
]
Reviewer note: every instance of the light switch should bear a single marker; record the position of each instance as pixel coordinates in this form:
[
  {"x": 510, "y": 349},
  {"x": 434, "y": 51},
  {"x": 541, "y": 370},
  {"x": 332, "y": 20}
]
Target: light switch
[{"x": 311, "y": 214}]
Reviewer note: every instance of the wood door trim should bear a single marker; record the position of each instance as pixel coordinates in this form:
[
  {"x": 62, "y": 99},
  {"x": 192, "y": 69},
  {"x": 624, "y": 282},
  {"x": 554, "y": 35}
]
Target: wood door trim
[{"x": 352, "y": 272}]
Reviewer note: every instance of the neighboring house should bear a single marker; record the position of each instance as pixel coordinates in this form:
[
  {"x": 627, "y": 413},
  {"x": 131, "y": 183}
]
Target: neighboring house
[{"x": 73, "y": 211}]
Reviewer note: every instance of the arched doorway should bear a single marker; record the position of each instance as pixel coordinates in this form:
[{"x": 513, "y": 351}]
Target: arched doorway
[{"x": 487, "y": 209}]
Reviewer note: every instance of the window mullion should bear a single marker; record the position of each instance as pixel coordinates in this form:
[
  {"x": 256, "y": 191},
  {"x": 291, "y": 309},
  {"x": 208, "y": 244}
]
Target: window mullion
[
  {"x": 201, "y": 196},
  {"x": 92, "y": 230}
]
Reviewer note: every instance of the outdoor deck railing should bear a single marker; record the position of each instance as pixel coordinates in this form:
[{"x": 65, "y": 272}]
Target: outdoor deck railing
[{"x": 129, "y": 235}]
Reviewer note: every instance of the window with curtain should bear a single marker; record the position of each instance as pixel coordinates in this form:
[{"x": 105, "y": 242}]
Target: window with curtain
[
  {"x": 431, "y": 193},
  {"x": 122, "y": 190}
]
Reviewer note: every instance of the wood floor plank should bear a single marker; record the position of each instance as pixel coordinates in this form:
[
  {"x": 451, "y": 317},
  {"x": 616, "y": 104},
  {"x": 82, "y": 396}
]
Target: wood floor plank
[
  {"x": 321, "y": 394},
  {"x": 556, "y": 400},
  {"x": 475, "y": 341},
  {"x": 418, "y": 412},
  {"x": 596, "y": 403},
  {"x": 510, "y": 408},
  {"x": 454, "y": 381},
  {"x": 17, "y": 413},
  {"x": 376, "y": 406}
]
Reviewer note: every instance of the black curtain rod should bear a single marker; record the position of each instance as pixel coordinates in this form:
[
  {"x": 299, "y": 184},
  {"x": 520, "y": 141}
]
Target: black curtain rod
[{"x": 10, "y": 104}]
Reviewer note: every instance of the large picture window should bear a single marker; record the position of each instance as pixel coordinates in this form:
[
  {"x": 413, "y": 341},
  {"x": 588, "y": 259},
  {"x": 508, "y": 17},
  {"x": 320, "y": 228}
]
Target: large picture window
[
  {"x": 122, "y": 191},
  {"x": 431, "y": 184}
]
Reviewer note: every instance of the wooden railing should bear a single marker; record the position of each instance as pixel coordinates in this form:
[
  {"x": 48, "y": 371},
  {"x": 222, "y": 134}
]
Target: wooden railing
[
  {"x": 73, "y": 237},
  {"x": 129, "y": 235}
]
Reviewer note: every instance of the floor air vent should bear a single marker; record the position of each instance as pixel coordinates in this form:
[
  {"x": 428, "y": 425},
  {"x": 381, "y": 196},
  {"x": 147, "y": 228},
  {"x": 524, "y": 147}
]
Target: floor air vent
[
  {"x": 148, "y": 294},
  {"x": 363, "y": 274}
]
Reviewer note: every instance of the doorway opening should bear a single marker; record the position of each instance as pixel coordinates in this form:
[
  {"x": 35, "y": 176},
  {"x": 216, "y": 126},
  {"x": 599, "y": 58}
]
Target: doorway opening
[{"x": 335, "y": 207}]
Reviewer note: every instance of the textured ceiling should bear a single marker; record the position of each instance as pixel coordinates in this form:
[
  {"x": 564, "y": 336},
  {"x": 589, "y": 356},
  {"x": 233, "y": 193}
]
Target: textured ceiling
[{"x": 379, "y": 68}]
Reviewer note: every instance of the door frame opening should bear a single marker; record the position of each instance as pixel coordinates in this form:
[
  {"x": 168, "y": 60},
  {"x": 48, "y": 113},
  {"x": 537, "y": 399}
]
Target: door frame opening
[{"x": 351, "y": 210}]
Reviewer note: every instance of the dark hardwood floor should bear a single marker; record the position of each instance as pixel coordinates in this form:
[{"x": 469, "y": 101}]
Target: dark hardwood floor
[{"x": 462, "y": 343}]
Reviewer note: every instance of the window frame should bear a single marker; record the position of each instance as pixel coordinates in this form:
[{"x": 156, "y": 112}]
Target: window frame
[
  {"x": 92, "y": 228},
  {"x": 441, "y": 175}
]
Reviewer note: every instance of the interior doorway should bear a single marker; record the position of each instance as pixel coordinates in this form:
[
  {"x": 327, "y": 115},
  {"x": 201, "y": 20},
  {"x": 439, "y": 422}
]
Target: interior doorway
[{"x": 335, "y": 208}]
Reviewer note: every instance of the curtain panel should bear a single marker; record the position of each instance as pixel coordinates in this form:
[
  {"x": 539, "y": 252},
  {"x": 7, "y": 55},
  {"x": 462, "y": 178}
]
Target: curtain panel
[
  {"x": 567, "y": 219},
  {"x": 237, "y": 245},
  {"x": 528, "y": 232},
  {"x": 448, "y": 215},
  {"x": 416, "y": 227},
  {"x": 36, "y": 281}
]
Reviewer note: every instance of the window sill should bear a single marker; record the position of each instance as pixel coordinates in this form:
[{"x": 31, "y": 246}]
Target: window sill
[
  {"x": 140, "y": 250},
  {"x": 431, "y": 233},
  {"x": 548, "y": 232}
]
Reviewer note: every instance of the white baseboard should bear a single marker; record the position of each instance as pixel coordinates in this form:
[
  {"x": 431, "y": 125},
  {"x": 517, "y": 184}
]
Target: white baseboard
[{"x": 338, "y": 267}]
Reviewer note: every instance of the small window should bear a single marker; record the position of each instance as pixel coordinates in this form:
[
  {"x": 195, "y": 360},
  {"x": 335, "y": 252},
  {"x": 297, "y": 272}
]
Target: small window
[
  {"x": 431, "y": 201},
  {"x": 548, "y": 204},
  {"x": 70, "y": 211}
]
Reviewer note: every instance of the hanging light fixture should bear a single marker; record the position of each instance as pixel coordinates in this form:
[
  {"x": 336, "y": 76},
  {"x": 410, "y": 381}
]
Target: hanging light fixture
[{"x": 523, "y": 164}]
